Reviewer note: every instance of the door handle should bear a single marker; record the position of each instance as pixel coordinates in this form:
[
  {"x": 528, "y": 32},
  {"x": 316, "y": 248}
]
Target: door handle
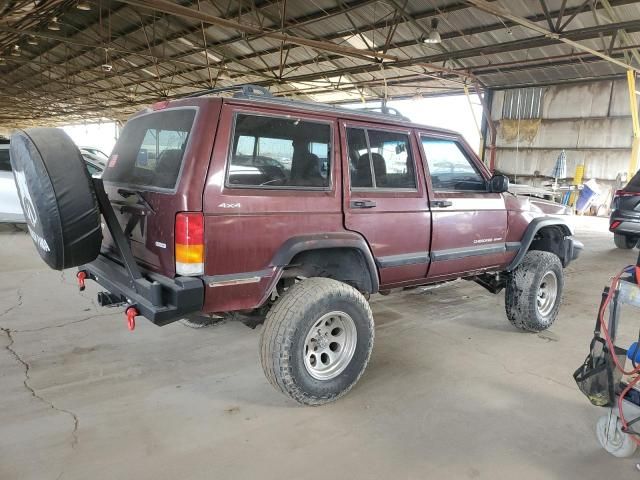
[
  {"x": 441, "y": 203},
  {"x": 362, "y": 204}
]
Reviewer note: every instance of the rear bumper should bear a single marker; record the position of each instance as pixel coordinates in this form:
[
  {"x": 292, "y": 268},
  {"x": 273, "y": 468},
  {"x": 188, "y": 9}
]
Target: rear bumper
[
  {"x": 626, "y": 222},
  {"x": 160, "y": 299}
]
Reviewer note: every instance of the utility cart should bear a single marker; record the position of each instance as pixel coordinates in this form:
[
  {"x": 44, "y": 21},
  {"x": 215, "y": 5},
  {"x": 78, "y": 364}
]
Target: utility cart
[{"x": 610, "y": 376}]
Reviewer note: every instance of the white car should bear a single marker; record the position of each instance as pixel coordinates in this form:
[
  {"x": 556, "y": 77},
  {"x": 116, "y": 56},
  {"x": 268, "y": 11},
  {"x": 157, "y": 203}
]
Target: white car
[{"x": 10, "y": 209}]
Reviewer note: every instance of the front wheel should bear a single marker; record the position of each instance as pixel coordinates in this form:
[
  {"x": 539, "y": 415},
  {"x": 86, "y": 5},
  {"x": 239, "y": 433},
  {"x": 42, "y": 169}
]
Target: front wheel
[
  {"x": 534, "y": 291},
  {"x": 317, "y": 340},
  {"x": 624, "y": 241}
]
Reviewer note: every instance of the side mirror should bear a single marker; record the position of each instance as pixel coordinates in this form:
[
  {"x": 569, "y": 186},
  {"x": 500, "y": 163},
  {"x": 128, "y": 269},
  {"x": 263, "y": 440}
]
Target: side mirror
[{"x": 499, "y": 184}]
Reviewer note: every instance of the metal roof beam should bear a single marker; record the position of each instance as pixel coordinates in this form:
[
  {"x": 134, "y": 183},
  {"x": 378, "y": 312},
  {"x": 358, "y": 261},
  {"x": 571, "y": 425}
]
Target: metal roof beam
[
  {"x": 613, "y": 16},
  {"x": 350, "y": 6},
  {"x": 541, "y": 41},
  {"x": 295, "y": 22},
  {"x": 501, "y": 12},
  {"x": 174, "y": 9}
]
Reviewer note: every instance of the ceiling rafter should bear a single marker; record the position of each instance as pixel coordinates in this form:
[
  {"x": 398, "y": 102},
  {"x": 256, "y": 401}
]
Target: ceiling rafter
[{"x": 173, "y": 51}]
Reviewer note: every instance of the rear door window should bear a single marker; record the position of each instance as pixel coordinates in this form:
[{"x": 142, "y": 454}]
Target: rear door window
[
  {"x": 151, "y": 149},
  {"x": 380, "y": 159},
  {"x": 273, "y": 152}
]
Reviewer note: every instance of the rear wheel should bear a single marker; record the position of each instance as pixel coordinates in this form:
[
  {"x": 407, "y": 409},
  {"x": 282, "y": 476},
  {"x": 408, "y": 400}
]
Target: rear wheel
[
  {"x": 534, "y": 291},
  {"x": 625, "y": 242},
  {"x": 317, "y": 340}
]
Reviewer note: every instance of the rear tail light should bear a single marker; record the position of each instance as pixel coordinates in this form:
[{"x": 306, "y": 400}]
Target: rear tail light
[
  {"x": 614, "y": 225},
  {"x": 189, "y": 244},
  {"x": 625, "y": 193}
]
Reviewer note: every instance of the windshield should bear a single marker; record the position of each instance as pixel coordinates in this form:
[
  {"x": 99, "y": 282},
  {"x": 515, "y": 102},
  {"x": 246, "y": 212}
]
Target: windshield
[{"x": 150, "y": 150}]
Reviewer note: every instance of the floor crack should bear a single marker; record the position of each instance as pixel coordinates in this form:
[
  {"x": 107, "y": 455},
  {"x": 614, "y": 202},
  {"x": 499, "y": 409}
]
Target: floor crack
[
  {"x": 27, "y": 368},
  {"x": 60, "y": 325},
  {"x": 18, "y": 304}
]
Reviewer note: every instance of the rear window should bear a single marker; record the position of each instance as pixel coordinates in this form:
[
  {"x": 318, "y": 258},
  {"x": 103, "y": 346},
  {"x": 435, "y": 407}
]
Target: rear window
[
  {"x": 5, "y": 165},
  {"x": 150, "y": 150}
]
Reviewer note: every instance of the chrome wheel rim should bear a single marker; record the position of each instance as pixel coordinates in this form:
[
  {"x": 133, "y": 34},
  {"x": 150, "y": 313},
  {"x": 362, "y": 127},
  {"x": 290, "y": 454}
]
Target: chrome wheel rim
[
  {"x": 547, "y": 293},
  {"x": 329, "y": 345}
]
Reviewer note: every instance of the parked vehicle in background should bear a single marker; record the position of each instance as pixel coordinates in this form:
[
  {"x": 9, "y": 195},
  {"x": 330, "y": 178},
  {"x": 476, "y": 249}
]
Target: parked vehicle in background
[
  {"x": 95, "y": 164},
  {"x": 624, "y": 221},
  {"x": 96, "y": 152},
  {"x": 297, "y": 213},
  {"x": 10, "y": 209}
]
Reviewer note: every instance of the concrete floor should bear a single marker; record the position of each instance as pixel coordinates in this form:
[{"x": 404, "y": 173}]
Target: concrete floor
[{"x": 452, "y": 390}]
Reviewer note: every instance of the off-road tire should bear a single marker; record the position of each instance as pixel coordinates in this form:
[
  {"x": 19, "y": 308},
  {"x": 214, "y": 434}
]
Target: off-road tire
[
  {"x": 625, "y": 242},
  {"x": 521, "y": 294},
  {"x": 285, "y": 330}
]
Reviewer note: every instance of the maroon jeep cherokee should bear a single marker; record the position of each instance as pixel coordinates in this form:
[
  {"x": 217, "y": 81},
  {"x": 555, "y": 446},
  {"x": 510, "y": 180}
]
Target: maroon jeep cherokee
[{"x": 293, "y": 211}]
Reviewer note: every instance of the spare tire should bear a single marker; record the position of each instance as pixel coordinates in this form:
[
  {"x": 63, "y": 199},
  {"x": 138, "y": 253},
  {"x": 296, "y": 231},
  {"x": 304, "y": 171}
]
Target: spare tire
[{"x": 57, "y": 197}]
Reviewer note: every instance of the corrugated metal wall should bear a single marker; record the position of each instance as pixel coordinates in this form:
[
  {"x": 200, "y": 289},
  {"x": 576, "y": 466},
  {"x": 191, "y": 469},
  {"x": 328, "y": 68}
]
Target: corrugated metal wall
[{"x": 592, "y": 122}]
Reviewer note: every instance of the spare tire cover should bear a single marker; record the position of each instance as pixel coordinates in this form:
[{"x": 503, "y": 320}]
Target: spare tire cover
[{"x": 57, "y": 197}]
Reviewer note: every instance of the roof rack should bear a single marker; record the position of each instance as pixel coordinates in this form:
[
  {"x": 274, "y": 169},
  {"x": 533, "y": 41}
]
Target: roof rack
[
  {"x": 249, "y": 91},
  {"x": 244, "y": 90},
  {"x": 383, "y": 109}
]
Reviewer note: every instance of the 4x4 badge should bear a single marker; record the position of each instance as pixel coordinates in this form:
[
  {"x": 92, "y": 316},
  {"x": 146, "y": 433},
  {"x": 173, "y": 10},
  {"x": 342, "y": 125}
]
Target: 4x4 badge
[{"x": 229, "y": 205}]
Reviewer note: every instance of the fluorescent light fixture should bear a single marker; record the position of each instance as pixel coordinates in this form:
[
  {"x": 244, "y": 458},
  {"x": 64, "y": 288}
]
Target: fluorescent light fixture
[
  {"x": 434, "y": 35},
  {"x": 84, "y": 6}
]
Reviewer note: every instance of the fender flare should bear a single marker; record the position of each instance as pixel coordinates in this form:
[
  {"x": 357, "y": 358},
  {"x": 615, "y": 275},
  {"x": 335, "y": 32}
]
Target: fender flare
[
  {"x": 534, "y": 226},
  {"x": 303, "y": 243}
]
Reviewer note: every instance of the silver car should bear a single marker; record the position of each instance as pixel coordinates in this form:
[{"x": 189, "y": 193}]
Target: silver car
[{"x": 10, "y": 209}]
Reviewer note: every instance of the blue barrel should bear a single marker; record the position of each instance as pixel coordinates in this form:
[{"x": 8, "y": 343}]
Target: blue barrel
[{"x": 584, "y": 198}]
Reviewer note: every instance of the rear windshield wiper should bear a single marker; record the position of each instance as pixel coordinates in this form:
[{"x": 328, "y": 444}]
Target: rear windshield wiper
[{"x": 124, "y": 193}]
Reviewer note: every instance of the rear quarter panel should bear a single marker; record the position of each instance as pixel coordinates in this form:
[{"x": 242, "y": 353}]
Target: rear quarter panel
[{"x": 245, "y": 227}]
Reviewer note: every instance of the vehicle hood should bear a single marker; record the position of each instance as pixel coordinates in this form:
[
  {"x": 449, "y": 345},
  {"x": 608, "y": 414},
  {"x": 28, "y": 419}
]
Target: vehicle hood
[{"x": 524, "y": 203}]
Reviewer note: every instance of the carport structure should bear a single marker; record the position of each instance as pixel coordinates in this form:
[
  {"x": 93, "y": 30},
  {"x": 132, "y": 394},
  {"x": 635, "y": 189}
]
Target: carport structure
[
  {"x": 70, "y": 60},
  {"x": 65, "y": 61}
]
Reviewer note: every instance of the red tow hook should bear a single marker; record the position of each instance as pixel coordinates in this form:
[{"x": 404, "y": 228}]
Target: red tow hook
[
  {"x": 131, "y": 313},
  {"x": 82, "y": 276}
]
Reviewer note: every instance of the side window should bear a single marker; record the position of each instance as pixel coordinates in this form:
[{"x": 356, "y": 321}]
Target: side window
[
  {"x": 279, "y": 152},
  {"x": 359, "y": 160},
  {"x": 450, "y": 168},
  {"x": 380, "y": 159}
]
